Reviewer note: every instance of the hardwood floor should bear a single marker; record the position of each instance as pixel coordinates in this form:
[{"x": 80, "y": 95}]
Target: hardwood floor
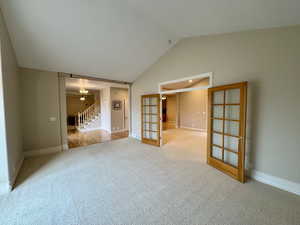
[{"x": 78, "y": 139}]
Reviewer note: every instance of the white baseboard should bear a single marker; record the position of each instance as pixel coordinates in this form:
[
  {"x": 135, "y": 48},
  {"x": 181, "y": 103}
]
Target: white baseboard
[
  {"x": 280, "y": 183},
  {"x": 43, "y": 151},
  {"x": 89, "y": 129},
  {"x": 192, "y": 128},
  {"x": 65, "y": 147}
]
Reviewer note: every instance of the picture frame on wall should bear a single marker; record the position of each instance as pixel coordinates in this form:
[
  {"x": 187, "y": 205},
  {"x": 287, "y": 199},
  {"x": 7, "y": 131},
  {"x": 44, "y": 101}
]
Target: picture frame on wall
[{"x": 116, "y": 105}]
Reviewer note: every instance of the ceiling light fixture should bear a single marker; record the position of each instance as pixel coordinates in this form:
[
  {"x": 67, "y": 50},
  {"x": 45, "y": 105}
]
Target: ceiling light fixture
[
  {"x": 190, "y": 81},
  {"x": 83, "y": 91}
]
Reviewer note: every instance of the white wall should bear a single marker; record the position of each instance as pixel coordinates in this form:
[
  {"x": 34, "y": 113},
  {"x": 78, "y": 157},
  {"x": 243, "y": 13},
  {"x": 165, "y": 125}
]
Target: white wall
[
  {"x": 105, "y": 109},
  {"x": 11, "y": 154},
  {"x": 193, "y": 109},
  {"x": 269, "y": 60},
  {"x": 118, "y": 117}
]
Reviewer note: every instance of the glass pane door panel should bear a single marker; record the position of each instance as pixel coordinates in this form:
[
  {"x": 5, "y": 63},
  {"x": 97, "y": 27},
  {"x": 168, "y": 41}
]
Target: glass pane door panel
[
  {"x": 216, "y": 152},
  {"x": 218, "y": 97},
  {"x": 232, "y": 127},
  {"x": 146, "y": 126},
  {"x": 231, "y": 158},
  {"x": 153, "y": 101},
  {"x": 146, "y": 101},
  {"x": 218, "y": 111},
  {"x": 146, "y": 109},
  {"x": 232, "y": 112},
  {"x": 153, "y": 127},
  {"x": 153, "y": 118},
  {"x": 153, "y": 135},
  {"x": 146, "y": 134},
  {"x": 153, "y": 109},
  {"x": 231, "y": 143},
  {"x": 217, "y": 139},
  {"x": 146, "y": 118},
  {"x": 218, "y": 125},
  {"x": 232, "y": 96}
]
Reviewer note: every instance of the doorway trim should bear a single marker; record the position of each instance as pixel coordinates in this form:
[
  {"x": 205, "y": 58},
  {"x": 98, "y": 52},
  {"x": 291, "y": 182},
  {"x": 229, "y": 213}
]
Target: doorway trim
[
  {"x": 202, "y": 75},
  {"x": 63, "y": 104}
]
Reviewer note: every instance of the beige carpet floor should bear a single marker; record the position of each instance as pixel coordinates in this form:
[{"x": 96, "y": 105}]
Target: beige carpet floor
[{"x": 126, "y": 182}]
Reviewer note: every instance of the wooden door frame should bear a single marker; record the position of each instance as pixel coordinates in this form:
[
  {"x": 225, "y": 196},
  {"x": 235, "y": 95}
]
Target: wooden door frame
[
  {"x": 145, "y": 140},
  {"x": 239, "y": 172}
]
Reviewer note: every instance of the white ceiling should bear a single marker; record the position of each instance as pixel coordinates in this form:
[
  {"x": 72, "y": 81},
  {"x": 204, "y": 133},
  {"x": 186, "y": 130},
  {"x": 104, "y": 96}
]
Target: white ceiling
[
  {"x": 186, "y": 18},
  {"x": 102, "y": 38},
  {"x": 77, "y": 84},
  {"x": 119, "y": 39}
]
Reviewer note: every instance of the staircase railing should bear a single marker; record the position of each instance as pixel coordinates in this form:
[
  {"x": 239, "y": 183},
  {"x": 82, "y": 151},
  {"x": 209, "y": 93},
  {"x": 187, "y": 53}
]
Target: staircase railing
[{"x": 88, "y": 114}]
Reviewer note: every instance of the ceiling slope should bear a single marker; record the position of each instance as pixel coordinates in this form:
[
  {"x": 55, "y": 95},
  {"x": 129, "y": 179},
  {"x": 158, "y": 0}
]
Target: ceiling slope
[
  {"x": 119, "y": 39},
  {"x": 187, "y": 18},
  {"x": 103, "y": 38}
]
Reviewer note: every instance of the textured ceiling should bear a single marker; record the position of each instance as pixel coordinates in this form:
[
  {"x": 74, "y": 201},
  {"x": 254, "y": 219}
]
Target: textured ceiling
[{"x": 119, "y": 39}]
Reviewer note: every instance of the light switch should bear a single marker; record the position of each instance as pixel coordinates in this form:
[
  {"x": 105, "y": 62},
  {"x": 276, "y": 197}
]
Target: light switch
[{"x": 52, "y": 119}]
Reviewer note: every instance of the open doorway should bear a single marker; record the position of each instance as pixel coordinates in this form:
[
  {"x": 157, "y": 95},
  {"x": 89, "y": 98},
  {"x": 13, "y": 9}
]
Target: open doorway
[
  {"x": 97, "y": 111},
  {"x": 184, "y": 117}
]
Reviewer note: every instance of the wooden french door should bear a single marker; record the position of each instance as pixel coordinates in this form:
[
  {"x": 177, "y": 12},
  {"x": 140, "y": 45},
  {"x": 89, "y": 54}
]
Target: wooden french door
[
  {"x": 227, "y": 129},
  {"x": 150, "y": 119}
]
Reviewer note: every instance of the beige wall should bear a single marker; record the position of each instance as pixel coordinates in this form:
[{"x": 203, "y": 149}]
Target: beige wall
[
  {"x": 105, "y": 109},
  {"x": 40, "y": 102},
  {"x": 193, "y": 109},
  {"x": 171, "y": 108},
  {"x": 269, "y": 61},
  {"x": 11, "y": 153},
  {"x": 118, "y": 121}
]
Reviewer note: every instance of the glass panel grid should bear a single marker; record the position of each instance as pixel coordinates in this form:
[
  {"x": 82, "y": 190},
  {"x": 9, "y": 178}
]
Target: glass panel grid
[
  {"x": 150, "y": 117},
  {"x": 217, "y": 152},
  {"x": 218, "y": 125},
  {"x": 231, "y": 127},
  {"x": 231, "y": 158},
  {"x": 232, "y": 96},
  {"x": 232, "y": 112},
  {"x": 228, "y": 145},
  {"x": 217, "y": 139},
  {"x": 218, "y": 97},
  {"x": 217, "y": 111},
  {"x": 231, "y": 143}
]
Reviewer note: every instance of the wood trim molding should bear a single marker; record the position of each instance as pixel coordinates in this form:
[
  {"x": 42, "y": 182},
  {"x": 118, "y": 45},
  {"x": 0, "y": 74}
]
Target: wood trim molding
[{"x": 203, "y": 75}]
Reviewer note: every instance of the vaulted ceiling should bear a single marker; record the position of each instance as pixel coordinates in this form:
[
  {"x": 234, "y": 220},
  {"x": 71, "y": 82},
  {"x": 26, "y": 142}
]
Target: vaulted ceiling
[{"x": 119, "y": 39}]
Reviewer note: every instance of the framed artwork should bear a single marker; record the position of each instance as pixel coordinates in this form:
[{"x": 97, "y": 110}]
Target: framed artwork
[{"x": 116, "y": 105}]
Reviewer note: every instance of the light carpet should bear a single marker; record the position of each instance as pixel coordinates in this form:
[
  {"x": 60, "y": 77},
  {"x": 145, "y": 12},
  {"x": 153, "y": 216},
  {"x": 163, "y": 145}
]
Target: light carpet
[{"x": 126, "y": 182}]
